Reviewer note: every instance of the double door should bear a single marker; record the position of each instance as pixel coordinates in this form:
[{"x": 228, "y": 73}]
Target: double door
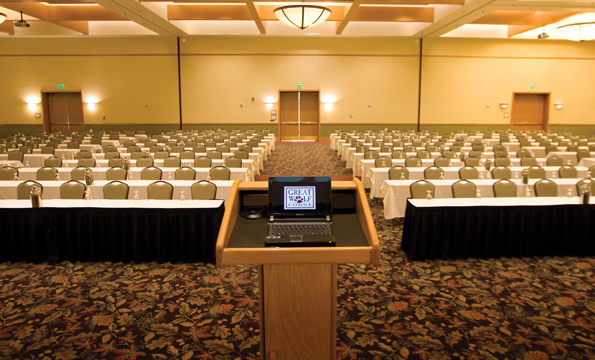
[
  {"x": 530, "y": 112},
  {"x": 63, "y": 111},
  {"x": 299, "y": 115}
]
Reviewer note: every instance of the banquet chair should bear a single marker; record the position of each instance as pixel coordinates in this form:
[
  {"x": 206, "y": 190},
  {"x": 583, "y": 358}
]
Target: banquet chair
[
  {"x": 24, "y": 189},
  {"x": 108, "y": 148},
  {"x": 409, "y": 148},
  {"x": 432, "y": 148},
  {"x": 219, "y": 173},
  {"x": 386, "y": 148},
  {"x": 362, "y": 149},
  {"x": 160, "y": 190},
  {"x": 572, "y": 148},
  {"x": 442, "y": 161},
  {"x": 546, "y": 187},
  {"x": 137, "y": 155},
  {"x": 185, "y": 173},
  {"x": 187, "y": 154},
  {"x": 398, "y": 172},
  {"x": 505, "y": 188},
  {"x": 241, "y": 154},
  {"x": 583, "y": 153},
  {"x": 53, "y": 162},
  {"x": 72, "y": 145},
  {"x": 591, "y": 172},
  {"x": 95, "y": 141},
  {"x": 177, "y": 149},
  {"x": 116, "y": 161},
  {"x": 223, "y": 148},
  {"x": 25, "y": 149},
  {"x": 87, "y": 162},
  {"x": 550, "y": 148},
  {"x": 111, "y": 154},
  {"x": 154, "y": 148},
  {"x": 161, "y": 154},
  {"x": 500, "y": 154},
  {"x": 78, "y": 173},
  {"x": 475, "y": 153},
  {"x": 151, "y": 173},
  {"x": 423, "y": 154},
  {"x": 214, "y": 154},
  {"x": 203, "y": 190},
  {"x": 398, "y": 154},
  {"x": 114, "y": 137},
  {"x": 210, "y": 144},
  {"x": 144, "y": 161},
  {"x": 501, "y": 172},
  {"x": 383, "y": 162},
  {"x": 498, "y": 147},
  {"x": 129, "y": 143},
  {"x": 413, "y": 162},
  {"x": 246, "y": 148},
  {"x": 420, "y": 188},
  {"x": 523, "y": 153},
  {"x": 580, "y": 184},
  {"x": 568, "y": 172},
  {"x": 233, "y": 162},
  {"x": 172, "y": 161},
  {"x": 116, "y": 173},
  {"x": 433, "y": 173},
  {"x": 47, "y": 173},
  {"x": 83, "y": 154},
  {"x": 72, "y": 189},
  {"x": 468, "y": 172},
  {"x": 536, "y": 172},
  {"x": 448, "y": 154},
  {"x": 464, "y": 189},
  {"x": 47, "y": 150},
  {"x": 190, "y": 144},
  {"x": 15, "y": 155},
  {"x": 555, "y": 161},
  {"x": 133, "y": 148},
  {"x": 455, "y": 148},
  {"x": 115, "y": 190},
  {"x": 252, "y": 143},
  {"x": 203, "y": 162},
  {"x": 472, "y": 161},
  {"x": 201, "y": 149},
  {"x": 528, "y": 161},
  {"x": 502, "y": 161},
  {"x": 8, "y": 173}
]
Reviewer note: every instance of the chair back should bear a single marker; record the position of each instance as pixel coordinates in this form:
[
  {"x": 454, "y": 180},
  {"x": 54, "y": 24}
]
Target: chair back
[
  {"x": 536, "y": 172},
  {"x": 154, "y": 148},
  {"x": 160, "y": 190},
  {"x": 502, "y": 161},
  {"x": 16, "y": 155},
  {"x": 472, "y": 161},
  {"x": 72, "y": 145},
  {"x": 464, "y": 189},
  {"x": 185, "y": 173},
  {"x": 442, "y": 161},
  {"x": 555, "y": 161},
  {"x": 72, "y": 189},
  {"x": 219, "y": 173},
  {"x": 568, "y": 172},
  {"x": 398, "y": 172},
  {"x": 398, "y": 154},
  {"x": 24, "y": 189},
  {"x": 448, "y": 154},
  {"x": 528, "y": 161},
  {"x": 115, "y": 190},
  {"x": 223, "y": 148},
  {"x": 177, "y": 149},
  {"x": 78, "y": 173},
  {"x": 505, "y": 188},
  {"x": 546, "y": 187},
  {"x": 201, "y": 149},
  {"x": 47, "y": 150},
  {"x": 151, "y": 173},
  {"x": 108, "y": 148},
  {"x": 172, "y": 161},
  {"x": 550, "y": 148},
  {"x": 233, "y": 162},
  {"x": 383, "y": 162},
  {"x": 214, "y": 154},
  {"x": 187, "y": 154},
  {"x": 583, "y": 153},
  {"x": 84, "y": 154},
  {"x": 523, "y": 153},
  {"x": 409, "y": 148},
  {"x": 579, "y": 185},
  {"x": 420, "y": 188},
  {"x": 137, "y": 155},
  {"x": 111, "y": 154},
  {"x": 53, "y": 162},
  {"x": 242, "y": 154},
  {"x": 468, "y": 173},
  {"x": 203, "y": 190},
  {"x": 144, "y": 161},
  {"x": 203, "y": 162},
  {"x": 119, "y": 162},
  {"x": 433, "y": 173},
  {"x": 116, "y": 173},
  {"x": 86, "y": 162},
  {"x": 413, "y": 162},
  {"x": 47, "y": 173},
  {"x": 133, "y": 148},
  {"x": 501, "y": 172},
  {"x": 161, "y": 154}
]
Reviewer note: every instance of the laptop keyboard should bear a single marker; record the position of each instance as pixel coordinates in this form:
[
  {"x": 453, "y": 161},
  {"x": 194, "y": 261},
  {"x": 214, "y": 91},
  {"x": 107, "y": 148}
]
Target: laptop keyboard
[{"x": 301, "y": 229}]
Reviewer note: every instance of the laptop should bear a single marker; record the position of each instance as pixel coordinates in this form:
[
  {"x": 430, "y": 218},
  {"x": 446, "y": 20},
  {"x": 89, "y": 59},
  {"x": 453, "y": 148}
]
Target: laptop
[{"x": 300, "y": 212}]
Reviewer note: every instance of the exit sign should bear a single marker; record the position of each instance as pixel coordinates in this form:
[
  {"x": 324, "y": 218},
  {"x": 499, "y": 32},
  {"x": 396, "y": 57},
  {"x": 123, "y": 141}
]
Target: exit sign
[{"x": 61, "y": 86}]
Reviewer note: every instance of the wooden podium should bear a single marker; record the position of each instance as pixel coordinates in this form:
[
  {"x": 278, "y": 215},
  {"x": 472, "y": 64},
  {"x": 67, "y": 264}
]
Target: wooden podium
[{"x": 297, "y": 286}]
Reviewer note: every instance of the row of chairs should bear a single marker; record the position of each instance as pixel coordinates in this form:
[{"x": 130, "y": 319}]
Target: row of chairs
[
  {"x": 171, "y": 161},
  {"x": 118, "y": 190},
  {"x": 471, "y": 173},
  {"x": 502, "y": 188},
  {"x": 49, "y": 173}
]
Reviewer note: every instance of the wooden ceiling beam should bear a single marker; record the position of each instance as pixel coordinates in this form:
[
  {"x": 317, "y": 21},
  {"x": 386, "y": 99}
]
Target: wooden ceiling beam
[
  {"x": 255, "y": 13},
  {"x": 538, "y": 18},
  {"x": 350, "y": 14},
  {"x": 41, "y": 12},
  {"x": 7, "y": 27},
  {"x": 394, "y": 14}
]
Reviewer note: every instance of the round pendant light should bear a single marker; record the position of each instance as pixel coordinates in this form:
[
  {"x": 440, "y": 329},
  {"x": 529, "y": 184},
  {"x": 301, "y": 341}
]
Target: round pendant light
[
  {"x": 302, "y": 16},
  {"x": 577, "y": 32}
]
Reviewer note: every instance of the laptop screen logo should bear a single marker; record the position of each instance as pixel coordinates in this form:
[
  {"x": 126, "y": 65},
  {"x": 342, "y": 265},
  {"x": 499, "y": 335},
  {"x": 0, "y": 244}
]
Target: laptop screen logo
[{"x": 300, "y": 197}]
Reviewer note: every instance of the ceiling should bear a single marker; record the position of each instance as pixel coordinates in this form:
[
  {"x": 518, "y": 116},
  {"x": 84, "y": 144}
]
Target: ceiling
[{"x": 408, "y": 18}]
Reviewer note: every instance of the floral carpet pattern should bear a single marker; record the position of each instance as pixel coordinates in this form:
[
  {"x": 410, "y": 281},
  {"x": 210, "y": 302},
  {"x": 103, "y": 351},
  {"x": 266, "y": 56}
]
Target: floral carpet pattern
[{"x": 529, "y": 308}]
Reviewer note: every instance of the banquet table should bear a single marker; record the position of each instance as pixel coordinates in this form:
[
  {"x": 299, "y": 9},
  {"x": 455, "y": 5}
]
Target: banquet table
[
  {"x": 366, "y": 164},
  {"x": 497, "y": 227},
  {"x": 51, "y": 189},
  {"x": 253, "y": 155},
  {"x": 110, "y": 230},
  {"x": 569, "y": 157},
  {"x": 13, "y": 163},
  {"x": 587, "y": 162},
  {"x": 396, "y": 192},
  {"x": 29, "y": 160}
]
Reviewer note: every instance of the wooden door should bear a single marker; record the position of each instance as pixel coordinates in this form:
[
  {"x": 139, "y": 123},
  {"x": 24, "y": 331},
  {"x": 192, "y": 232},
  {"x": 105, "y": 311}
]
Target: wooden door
[
  {"x": 63, "y": 111},
  {"x": 299, "y": 115},
  {"x": 530, "y": 112}
]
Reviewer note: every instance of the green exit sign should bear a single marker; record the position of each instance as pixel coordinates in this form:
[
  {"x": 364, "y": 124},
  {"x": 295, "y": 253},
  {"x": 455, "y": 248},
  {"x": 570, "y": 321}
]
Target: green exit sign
[
  {"x": 61, "y": 86},
  {"x": 298, "y": 85}
]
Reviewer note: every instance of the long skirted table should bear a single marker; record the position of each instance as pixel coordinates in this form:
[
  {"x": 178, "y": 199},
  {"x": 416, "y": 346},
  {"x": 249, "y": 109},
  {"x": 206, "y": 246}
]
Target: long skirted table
[
  {"x": 498, "y": 227},
  {"x": 110, "y": 230}
]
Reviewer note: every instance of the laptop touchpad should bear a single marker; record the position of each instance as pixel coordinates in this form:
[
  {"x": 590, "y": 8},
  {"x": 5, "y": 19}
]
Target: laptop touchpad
[{"x": 295, "y": 238}]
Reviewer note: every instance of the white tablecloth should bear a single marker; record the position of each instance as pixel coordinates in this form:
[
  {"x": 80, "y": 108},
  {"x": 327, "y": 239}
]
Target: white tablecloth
[
  {"x": 29, "y": 160},
  {"x": 103, "y": 203}
]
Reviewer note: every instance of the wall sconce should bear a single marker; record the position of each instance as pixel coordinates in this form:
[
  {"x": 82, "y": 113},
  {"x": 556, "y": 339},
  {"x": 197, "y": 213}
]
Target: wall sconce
[
  {"x": 503, "y": 105},
  {"x": 328, "y": 105},
  {"x": 91, "y": 105},
  {"x": 269, "y": 104},
  {"x": 558, "y": 106},
  {"x": 32, "y": 106}
]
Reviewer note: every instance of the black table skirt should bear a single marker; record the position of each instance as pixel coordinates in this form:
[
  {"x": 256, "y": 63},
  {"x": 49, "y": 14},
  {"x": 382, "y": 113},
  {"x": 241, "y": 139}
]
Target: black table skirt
[
  {"x": 109, "y": 234},
  {"x": 498, "y": 231}
]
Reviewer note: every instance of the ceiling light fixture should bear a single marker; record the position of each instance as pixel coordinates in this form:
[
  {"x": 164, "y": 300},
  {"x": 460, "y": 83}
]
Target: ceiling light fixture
[
  {"x": 302, "y": 16},
  {"x": 2, "y": 17},
  {"x": 577, "y": 32},
  {"x": 21, "y": 23},
  {"x": 543, "y": 35}
]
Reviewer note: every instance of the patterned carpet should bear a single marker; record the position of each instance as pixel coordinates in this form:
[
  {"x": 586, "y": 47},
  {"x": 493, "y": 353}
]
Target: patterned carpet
[{"x": 466, "y": 309}]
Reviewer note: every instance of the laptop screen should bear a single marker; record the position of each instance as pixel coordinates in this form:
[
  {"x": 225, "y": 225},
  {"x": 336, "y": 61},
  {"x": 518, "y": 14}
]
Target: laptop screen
[{"x": 300, "y": 196}]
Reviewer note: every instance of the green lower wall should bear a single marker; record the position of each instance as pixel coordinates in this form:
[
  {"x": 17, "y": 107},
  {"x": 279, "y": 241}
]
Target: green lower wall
[
  {"x": 573, "y": 129},
  {"x": 327, "y": 129}
]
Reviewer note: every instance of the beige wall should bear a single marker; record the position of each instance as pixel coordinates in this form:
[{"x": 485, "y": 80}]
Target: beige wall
[{"x": 460, "y": 78}]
